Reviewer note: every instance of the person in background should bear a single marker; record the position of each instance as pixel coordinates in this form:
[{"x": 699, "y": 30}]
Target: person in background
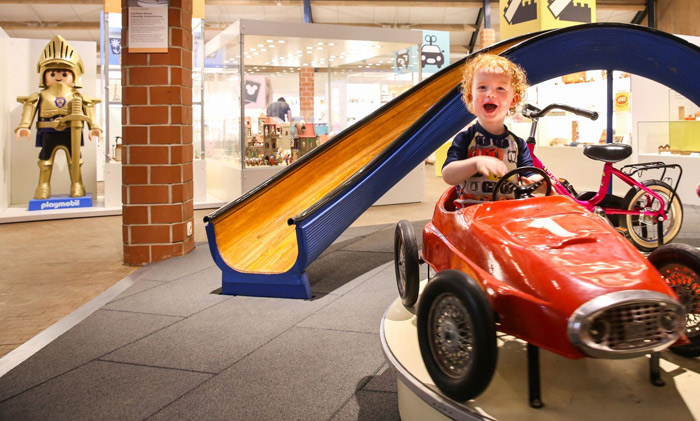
[
  {"x": 492, "y": 88},
  {"x": 280, "y": 109}
]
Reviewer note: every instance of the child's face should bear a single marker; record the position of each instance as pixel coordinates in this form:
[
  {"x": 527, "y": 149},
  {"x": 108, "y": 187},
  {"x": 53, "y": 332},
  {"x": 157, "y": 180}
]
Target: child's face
[
  {"x": 53, "y": 76},
  {"x": 491, "y": 97}
]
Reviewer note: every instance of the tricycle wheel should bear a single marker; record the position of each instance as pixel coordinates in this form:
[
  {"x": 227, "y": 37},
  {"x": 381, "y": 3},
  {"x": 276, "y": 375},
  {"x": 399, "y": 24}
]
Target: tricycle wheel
[
  {"x": 679, "y": 264},
  {"x": 406, "y": 263},
  {"x": 457, "y": 335},
  {"x": 643, "y": 229}
]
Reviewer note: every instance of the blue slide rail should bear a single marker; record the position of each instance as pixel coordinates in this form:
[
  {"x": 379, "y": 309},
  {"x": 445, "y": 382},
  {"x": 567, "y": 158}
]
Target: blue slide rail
[{"x": 655, "y": 55}]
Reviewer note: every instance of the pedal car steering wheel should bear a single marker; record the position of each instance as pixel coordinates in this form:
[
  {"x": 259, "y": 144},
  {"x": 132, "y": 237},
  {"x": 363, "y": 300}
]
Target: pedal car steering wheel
[{"x": 518, "y": 188}]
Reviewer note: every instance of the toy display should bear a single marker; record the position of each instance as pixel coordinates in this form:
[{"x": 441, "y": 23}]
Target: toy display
[
  {"x": 271, "y": 144},
  {"x": 546, "y": 270},
  {"x": 62, "y": 110},
  {"x": 275, "y": 144}
]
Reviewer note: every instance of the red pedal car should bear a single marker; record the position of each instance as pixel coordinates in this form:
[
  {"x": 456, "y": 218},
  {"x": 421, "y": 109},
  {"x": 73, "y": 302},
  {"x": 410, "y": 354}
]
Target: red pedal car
[{"x": 545, "y": 270}]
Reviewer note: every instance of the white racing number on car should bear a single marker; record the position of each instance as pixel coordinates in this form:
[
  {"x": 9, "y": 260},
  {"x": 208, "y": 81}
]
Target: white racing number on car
[{"x": 550, "y": 225}]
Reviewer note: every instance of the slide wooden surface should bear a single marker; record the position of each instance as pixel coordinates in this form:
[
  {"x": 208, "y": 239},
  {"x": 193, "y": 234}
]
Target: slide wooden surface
[{"x": 254, "y": 237}]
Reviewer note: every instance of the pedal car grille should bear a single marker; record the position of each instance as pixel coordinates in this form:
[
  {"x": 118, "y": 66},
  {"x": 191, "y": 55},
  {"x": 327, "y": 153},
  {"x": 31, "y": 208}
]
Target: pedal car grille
[{"x": 626, "y": 324}]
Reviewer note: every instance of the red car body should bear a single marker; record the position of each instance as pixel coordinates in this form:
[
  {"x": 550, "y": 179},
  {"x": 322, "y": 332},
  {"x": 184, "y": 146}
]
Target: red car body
[{"x": 542, "y": 259}]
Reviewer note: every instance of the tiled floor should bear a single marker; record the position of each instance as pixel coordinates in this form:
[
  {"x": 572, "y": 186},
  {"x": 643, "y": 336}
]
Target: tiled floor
[
  {"x": 50, "y": 268},
  {"x": 163, "y": 344}
]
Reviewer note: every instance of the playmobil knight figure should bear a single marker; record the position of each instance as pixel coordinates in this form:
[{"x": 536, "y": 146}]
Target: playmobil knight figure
[{"x": 62, "y": 111}]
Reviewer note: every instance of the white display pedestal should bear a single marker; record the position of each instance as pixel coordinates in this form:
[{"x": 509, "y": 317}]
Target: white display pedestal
[{"x": 583, "y": 389}]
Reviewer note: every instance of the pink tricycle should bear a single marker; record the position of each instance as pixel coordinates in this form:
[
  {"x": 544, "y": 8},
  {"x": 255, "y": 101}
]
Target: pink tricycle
[{"x": 649, "y": 215}]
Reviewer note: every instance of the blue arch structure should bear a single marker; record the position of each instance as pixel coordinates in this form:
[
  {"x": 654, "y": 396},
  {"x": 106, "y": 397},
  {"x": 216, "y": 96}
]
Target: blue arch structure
[{"x": 655, "y": 55}]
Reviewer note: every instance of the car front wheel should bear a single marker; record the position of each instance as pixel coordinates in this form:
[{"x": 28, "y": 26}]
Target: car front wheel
[
  {"x": 457, "y": 335},
  {"x": 679, "y": 265}
]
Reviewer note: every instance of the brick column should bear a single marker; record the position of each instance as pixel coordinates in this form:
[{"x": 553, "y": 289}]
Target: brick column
[
  {"x": 157, "y": 181},
  {"x": 306, "y": 92},
  {"x": 487, "y": 37}
]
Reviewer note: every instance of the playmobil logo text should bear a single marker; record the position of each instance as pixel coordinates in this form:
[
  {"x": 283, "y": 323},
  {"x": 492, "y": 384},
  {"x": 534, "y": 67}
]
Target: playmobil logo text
[{"x": 63, "y": 204}]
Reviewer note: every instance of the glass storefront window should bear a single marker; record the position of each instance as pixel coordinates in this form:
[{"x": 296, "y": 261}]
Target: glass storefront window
[{"x": 328, "y": 78}]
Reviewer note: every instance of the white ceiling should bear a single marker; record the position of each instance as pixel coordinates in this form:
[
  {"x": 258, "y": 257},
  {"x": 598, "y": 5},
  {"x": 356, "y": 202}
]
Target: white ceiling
[{"x": 80, "y": 19}]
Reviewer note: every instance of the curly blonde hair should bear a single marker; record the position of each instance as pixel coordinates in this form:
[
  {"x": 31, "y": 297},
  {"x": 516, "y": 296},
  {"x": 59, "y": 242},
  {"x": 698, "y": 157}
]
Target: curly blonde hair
[{"x": 498, "y": 64}]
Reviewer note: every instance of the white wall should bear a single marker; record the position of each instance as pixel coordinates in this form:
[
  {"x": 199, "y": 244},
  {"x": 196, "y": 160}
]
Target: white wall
[
  {"x": 24, "y": 80},
  {"x": 5, "y": 126}
]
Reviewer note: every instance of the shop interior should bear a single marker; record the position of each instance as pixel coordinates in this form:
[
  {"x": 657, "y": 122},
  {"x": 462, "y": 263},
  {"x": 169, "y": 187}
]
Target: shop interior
[{"x": 350, "y": 79}]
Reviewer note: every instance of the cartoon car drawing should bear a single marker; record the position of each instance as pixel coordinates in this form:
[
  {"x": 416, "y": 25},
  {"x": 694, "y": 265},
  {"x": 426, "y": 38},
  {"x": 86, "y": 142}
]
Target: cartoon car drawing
[
  {"x": 431, "y": 54},
  {"x": 402, "y": 59},
  {"x": 547, "y": 271}
]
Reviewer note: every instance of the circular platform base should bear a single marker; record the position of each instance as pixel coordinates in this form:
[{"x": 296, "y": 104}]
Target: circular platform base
[{"x": 581, "y": 389}]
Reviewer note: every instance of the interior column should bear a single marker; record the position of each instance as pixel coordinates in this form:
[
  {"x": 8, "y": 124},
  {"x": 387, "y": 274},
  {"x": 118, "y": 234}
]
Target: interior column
[{"x": 157, "y": 181}]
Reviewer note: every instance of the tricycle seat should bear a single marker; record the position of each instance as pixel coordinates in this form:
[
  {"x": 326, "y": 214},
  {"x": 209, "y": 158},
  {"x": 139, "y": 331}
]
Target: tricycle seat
[{"x": 608, "y": 152}]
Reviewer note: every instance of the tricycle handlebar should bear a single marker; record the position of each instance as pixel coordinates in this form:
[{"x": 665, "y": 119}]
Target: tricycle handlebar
[{"x": 532, "y": 112}]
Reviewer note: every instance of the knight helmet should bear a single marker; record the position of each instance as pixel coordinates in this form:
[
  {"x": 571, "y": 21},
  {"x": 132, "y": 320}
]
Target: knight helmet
[{"x": 58, "y": 54}]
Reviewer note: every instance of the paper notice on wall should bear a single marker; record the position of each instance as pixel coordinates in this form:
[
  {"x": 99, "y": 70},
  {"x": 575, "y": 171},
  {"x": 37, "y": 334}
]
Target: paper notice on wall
[{"x": 148, "y": 26}]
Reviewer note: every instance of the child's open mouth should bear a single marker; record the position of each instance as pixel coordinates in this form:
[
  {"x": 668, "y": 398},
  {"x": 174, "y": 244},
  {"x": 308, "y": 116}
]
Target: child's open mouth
[{"x": 490, "y": 107}]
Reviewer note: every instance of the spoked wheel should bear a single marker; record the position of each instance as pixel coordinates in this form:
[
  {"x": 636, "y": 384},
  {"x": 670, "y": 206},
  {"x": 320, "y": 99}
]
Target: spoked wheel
[
  {"x": 679, "y": 264},
  {"x": 642, "y": 229},
  {"x": 406, "y": 263},
  {"x": 457, "y": 335}
]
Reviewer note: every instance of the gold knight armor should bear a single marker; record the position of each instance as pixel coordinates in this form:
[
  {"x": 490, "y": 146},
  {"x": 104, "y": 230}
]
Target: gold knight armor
[
  {"x": 62, "y": 111},
  {"x": 55, "y": 102}
]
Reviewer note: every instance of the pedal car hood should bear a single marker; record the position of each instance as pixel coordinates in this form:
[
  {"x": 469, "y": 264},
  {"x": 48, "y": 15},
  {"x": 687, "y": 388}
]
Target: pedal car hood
[{"x": 551, "y": 246}]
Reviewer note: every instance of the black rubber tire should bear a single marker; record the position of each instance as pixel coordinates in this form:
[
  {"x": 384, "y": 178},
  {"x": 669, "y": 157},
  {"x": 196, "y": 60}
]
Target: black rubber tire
[
  {"x": 644, "y": 234},
  {"x": 679, "y": 264},
  {"x": 453, "y": 305},
  {"x": 406, "y": 263}
]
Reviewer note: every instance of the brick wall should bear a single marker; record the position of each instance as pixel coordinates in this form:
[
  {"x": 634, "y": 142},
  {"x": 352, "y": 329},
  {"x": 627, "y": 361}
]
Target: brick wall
[
  {"x": 306, "y": 92},
  {"x": 487, "y": 37},
  {"x": 157, "y": 181}
]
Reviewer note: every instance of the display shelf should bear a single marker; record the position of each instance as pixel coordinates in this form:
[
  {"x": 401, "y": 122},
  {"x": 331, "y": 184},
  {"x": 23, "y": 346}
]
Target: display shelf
[{"x": 669, "y": 137}]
